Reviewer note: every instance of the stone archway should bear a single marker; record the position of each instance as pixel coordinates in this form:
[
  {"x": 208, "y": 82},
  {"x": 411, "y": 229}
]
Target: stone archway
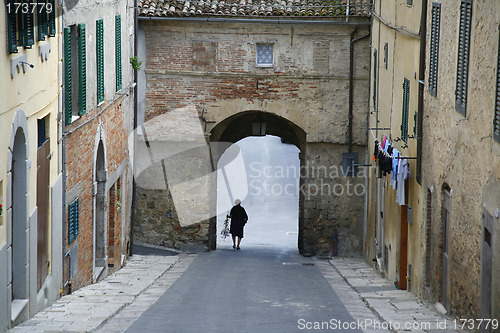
[{"x": 244, "y": 124}]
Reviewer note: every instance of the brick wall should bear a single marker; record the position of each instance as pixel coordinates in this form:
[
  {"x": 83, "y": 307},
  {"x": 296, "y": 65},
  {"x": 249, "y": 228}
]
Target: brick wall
[{"x": 79, "y": 147}]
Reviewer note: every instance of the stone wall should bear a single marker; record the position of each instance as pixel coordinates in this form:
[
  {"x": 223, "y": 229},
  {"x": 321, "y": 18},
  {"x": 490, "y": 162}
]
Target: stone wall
[
  {"x": 459, "y": 152},
  {"x": 213, "y": 67}
]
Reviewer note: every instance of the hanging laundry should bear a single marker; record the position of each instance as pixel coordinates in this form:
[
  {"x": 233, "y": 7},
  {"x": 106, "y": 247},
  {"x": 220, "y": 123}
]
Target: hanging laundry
[
  {"x": 394, "y": 174},
  {"x": 403, "y": 174}
]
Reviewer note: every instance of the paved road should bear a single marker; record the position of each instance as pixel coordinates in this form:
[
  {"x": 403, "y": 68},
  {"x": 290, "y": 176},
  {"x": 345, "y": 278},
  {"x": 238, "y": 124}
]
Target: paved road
[{"x": 251, "y": 290}]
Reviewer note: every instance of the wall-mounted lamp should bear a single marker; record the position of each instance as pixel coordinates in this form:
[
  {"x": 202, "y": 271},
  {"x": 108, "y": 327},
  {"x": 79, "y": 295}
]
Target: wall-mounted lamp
[
  {"x": 259, "y": 128},
  {"x": 27, "y": 63}
]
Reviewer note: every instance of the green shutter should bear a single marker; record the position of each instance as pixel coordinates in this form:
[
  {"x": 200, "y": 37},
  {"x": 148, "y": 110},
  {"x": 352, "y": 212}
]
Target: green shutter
[
  {"x": 52, "y": 18},
  {"x": 42, "y": 23},
  {"x": 434, "y": 48},
  {"x": 11, "y": 27},
  {"x": 68, "y": 96},
  {"x": 82, "y": 71},
  {"x": 28, "y": 25},
  {"x": 375, "y": 79},
  {"x": 118, "y": 50},
  {"x": 463, "y": 56},
  {"x": 496, "y": 120},
  {"x": 100, "y": 60},
  {"x": 406, "y": 106},
  {"x": 73, "y": 221}
]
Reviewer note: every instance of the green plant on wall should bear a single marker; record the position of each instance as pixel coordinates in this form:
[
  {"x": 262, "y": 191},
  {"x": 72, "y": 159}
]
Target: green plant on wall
[{"x": 136, "y": 63}]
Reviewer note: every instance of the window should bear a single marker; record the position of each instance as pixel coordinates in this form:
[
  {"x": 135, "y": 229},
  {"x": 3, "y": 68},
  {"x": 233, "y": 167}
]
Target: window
[
  {"x": 463, "y": 56},
  {"x": 118, "y": 51},
  {"x": 496, "y": 120},
  {"x": 100, "y": 60},
  {"x": 20, "y": 24},
  {"x": 73, "y": 221},
  {"x": 75, "y": 72},
  {"x": 406, "y": 104},
  {"x": 265, "y": 55},
  {"x": 22, "y": 15},
  {"x": 434, "y": 48}
]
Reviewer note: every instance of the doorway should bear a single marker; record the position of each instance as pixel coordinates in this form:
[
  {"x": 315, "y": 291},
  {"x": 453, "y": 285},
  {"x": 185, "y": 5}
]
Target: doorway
[
  {"x": 445, "y": 235},
  {"x": 486, "y": 267},
  {"x": 100, "y": 230},
  {"x": 19, "y": 226},
  {"x": 267, "y": 184}
]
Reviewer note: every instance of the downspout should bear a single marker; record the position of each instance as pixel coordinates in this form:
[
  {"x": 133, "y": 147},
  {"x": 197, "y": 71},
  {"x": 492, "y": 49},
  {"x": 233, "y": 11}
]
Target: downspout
[
  {"x": 421, "y": 81},
  {"x": 132, "y": 217},
  {"x": 63, "y": 153},
  {"x": 351, "y": 86}
]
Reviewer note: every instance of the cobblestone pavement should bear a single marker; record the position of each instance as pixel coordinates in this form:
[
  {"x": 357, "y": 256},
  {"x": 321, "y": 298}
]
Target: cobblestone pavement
[{"x": 115, "y": 303}]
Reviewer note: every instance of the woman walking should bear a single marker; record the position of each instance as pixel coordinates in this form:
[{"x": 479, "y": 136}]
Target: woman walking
[{"x": 239, "y": 218}]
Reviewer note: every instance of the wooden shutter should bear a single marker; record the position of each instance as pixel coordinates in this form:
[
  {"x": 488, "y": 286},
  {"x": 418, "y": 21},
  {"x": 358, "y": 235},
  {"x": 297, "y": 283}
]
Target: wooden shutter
[
  {"x": 434, "y": 48},
  {"x": 73, "y": 221},
  {"x": 406, "y": 105},
  {"x": 28, "y": 30},
  {"x": 118, "y": 51},
  {"x": 42, "y": 24},
  {"x": 52, "y": 18},
  {"x": 100, "y": 60},
  {"x": 496, "y": 120},
  {"x": 11, "y": 27},
  {"x": 375, "y": 78},
  {"x": 82, "y": 71},
  {"x": 68, "y": 87},
  {"x": 463, "y": 56}
]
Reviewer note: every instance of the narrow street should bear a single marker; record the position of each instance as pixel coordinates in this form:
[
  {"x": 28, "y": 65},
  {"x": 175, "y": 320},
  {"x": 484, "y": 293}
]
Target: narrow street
[
  {"x": 252, "y": 290},
  {"x": 256, "y": 289}
]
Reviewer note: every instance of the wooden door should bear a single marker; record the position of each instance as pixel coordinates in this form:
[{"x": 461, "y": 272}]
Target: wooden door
[
  {"x": 42, "y": 202},
  {"x": 486, "y": 267},
  {"x": 446, "y": 228},
  {"x": 403, "y": 243}
]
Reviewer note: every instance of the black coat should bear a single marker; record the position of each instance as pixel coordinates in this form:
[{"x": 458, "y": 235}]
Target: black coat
[{"x": 239, "y": 218}]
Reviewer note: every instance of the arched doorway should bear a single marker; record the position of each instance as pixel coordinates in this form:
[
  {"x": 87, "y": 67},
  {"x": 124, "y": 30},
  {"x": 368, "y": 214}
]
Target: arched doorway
[
  {"x": 19, "y": 228},
  {"x": 100, "y": 230},
  {"x": 258, "y": 123}
]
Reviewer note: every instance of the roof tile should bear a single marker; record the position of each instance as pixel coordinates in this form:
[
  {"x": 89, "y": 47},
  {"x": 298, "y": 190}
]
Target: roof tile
[{"x": 287, "y": 8}]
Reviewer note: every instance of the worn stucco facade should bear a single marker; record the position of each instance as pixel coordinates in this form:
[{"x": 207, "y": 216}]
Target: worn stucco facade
[
  {"x": 461, "y": 166},
  {"x": 303, "y": 96},
  {"x": 30, "y": 174},
  {"x": 451, "y": 232}
]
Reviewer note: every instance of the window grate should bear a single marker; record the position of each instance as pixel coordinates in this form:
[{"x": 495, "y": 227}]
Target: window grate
[{"x": 265, "y": 54}]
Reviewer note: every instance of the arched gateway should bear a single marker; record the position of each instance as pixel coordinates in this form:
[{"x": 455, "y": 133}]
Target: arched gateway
[{"x": 306, "y": 79}]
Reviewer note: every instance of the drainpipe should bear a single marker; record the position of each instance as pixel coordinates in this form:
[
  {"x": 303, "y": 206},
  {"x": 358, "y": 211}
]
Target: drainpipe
[
  {"x": 132, "y": 215},
  {"x": 63, "y": 153},
  {"x": 421, "y": 81},
  {"x": 351, "y": 85}
]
